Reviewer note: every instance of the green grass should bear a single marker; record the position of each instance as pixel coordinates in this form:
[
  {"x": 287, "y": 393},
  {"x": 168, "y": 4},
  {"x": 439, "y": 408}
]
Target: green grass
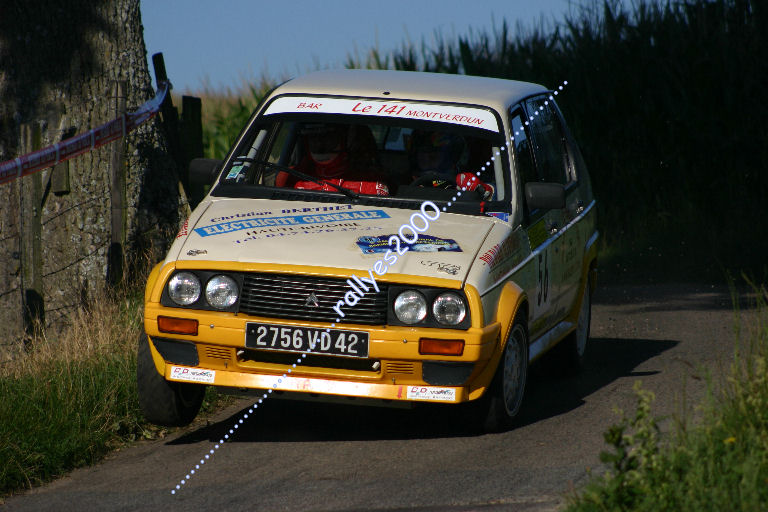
[
  {"x": 71, "y": 398},
  {"x": 718, "y": 463},
  {"x": 64, "y": 417}
]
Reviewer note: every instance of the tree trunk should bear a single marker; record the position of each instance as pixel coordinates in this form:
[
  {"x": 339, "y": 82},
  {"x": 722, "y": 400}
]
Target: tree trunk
[{"x": 59, "y": 63}]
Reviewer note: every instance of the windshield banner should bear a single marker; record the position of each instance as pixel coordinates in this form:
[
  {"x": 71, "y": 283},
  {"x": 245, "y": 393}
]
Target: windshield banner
[{"x": 453, "y": 114}]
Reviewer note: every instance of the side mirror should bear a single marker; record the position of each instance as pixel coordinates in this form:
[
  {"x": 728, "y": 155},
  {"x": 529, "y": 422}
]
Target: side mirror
[
  {"x": 203, "y": 171},
  {"x": 544, "y": 196}
]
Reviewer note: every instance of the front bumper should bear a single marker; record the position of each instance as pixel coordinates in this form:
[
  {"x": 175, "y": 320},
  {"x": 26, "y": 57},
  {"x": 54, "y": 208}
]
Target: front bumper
[{"x": 394, "y": 369}]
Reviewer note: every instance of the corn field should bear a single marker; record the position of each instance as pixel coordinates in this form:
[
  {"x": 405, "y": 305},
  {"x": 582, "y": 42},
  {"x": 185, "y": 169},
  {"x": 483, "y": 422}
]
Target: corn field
[{"x": 668, "y": 102}]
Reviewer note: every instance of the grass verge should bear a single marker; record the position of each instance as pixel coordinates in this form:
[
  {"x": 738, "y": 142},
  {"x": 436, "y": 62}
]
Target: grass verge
[
  {"x": 720, "y": 463},
  {"x": 70, "y": 399}
]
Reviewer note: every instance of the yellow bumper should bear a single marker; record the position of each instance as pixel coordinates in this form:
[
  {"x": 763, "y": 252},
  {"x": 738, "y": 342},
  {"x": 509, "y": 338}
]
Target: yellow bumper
[
  {"x": 221, "y": 350},
  {"x": 302, "y": 384}
]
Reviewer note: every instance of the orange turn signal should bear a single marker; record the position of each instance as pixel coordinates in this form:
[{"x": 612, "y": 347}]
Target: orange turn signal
[
  {"x": 177, "y": 325},
  {"x": 441, "y": 347}
]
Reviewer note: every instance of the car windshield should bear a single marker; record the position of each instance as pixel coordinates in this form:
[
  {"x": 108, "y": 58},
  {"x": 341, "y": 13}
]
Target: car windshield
[{"x": 356, "y": 149}]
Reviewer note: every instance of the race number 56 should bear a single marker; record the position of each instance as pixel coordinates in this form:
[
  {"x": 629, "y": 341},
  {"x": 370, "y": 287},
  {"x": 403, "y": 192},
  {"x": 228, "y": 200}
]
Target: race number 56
[{"x": 543, "y": 278}]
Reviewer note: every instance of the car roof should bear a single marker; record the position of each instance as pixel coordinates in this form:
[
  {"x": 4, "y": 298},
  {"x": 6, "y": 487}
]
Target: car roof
[{"x": 496, "y": 93}]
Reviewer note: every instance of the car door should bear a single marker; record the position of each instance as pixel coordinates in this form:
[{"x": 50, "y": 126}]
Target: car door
[
  {"x": 554, "y": 164},
  {"x": 537, "y": 223}
]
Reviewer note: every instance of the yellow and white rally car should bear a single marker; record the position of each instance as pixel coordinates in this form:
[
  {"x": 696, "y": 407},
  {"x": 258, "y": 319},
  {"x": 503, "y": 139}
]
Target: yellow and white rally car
[{"x": 383, "y": 235}]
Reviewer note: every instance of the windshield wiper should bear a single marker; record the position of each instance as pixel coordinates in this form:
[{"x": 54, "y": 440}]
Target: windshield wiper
[{"x": 349, "y": 193}]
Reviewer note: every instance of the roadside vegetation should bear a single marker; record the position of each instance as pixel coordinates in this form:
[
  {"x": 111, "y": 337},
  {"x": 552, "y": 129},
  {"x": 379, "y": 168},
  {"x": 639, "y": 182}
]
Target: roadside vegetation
[
  {"x": 718, "y": 463},
  {"x": 68, "y": 398},
  {"x": 667, "y": 101}
]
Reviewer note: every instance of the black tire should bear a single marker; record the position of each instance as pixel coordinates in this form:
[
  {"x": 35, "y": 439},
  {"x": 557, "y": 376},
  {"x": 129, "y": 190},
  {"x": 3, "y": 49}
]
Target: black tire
[
  {"x": 501, "y": 403},
  {"x": 171, "y": 404},
  {"x": 567, "y": 358}
]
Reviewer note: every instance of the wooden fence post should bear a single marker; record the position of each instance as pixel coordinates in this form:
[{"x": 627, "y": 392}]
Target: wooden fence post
[
  {"x": 60, "y": 183},
  {"x": 170, "y": 118},
  {"x": 31, "y": 193},
  {"x": 115, "y": 256},
  {"x": 192, "y": 143},
  {"x": 184, "y": 134}
]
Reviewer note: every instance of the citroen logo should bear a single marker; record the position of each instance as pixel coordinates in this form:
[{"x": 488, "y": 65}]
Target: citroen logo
[{"x": 311, "y": 300}]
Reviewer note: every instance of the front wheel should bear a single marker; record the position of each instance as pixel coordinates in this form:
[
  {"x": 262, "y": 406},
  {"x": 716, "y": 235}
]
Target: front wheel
[
  {"x": 503, "y": 400},
  {"x": 172, "y": 404}
]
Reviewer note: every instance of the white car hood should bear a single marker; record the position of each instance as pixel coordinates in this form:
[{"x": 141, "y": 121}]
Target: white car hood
[{"x": 328, "y": 235}]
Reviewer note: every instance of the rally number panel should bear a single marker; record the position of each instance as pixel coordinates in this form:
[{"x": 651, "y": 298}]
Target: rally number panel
[{"x": 291, "y": 338}]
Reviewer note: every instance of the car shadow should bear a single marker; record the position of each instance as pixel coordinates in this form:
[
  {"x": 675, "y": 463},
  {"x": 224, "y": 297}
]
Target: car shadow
[
  {"x": 608, "y": 359},
  {"x": 278, "y": 420}
]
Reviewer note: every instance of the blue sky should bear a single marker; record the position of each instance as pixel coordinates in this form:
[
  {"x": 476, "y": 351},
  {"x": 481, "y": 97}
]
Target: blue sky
[{"x": 224, "y": 43}]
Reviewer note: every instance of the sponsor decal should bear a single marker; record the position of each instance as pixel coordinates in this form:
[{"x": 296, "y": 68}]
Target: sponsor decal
[
  {"x": 251, "y": 214},
  {"x": 260, "y": 234},
  {"x": 423, "y": 243},
  {"x": 289, "y": 220},
  {"x": 236, "y": 173},
  {"x": 318, "y": 209},
  {"x": 447, "y": 268},
  {"x": 184, "y": 231},
  {"x": 500, "y": 252},
  {"x": 537, "y": 234},
  {"x": 380, "y": 267},
  {"x": 502, "y": 257},
  {"x": 193, "y": 374},
  {"x": 240, "y": 216},
  {"x": 196, "y": 252},
  {"x": 499, "y": 215},
  {"x": 431, "y": 393},
  {"x": 453, "y": 114}
]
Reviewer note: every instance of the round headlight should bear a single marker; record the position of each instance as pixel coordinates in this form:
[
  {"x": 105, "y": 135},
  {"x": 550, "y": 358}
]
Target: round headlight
[
  {"x": 221, "y": 292},
  {"x": 449, "y": 309},
  {"x": 410, "y": 307},
  {"x": 184, "y": 288}
]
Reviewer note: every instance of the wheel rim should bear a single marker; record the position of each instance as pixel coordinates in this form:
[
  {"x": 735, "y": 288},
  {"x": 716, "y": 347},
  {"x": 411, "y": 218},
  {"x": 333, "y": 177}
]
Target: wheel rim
[
  {"x": 582, "y": 328},
  {"x": 513, "y": 381}
]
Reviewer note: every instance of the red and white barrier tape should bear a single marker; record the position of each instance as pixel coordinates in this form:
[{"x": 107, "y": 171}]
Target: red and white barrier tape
[{"x": 84, "y": 142}]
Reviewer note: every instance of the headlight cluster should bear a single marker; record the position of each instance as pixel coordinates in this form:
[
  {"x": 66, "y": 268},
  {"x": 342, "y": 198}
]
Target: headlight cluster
[
  {"x": 221, "y": 291},
  {"x": 448, "y": 308}
]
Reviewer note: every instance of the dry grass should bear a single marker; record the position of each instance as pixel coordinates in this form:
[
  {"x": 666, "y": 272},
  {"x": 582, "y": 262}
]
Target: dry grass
[{"x": 106, "y": 326}]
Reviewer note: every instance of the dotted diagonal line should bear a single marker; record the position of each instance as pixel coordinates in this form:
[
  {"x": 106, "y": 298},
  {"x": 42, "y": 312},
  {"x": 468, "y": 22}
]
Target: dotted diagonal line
[{"x": 255, "y": 405}]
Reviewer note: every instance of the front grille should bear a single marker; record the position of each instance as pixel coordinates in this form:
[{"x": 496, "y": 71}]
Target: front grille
[
  {"x": 285, "y": 296},
  {"x": 218, "y": 352},
  {"x": 399, "y": 367}
]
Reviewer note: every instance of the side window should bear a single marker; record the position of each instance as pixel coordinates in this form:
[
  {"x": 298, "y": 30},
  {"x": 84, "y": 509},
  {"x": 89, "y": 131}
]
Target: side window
[
  {"x": 522, "y": 150},
  {"x": 549, "y": 144}
]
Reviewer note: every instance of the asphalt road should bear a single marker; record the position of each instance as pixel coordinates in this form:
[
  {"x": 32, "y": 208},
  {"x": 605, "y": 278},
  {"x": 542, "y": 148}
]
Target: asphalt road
[{"x": 297, "y": 456}]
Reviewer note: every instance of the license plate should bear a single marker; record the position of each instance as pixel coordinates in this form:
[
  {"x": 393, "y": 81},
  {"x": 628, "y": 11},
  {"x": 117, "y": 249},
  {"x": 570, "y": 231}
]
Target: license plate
[{"x": 290, "y": 338}]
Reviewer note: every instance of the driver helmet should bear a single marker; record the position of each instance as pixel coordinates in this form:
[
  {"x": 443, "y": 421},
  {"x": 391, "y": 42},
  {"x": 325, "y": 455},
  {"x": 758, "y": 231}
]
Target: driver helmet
[
  {"x": 326, "y": 147},
  {"x": 438, "y": 152}
]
